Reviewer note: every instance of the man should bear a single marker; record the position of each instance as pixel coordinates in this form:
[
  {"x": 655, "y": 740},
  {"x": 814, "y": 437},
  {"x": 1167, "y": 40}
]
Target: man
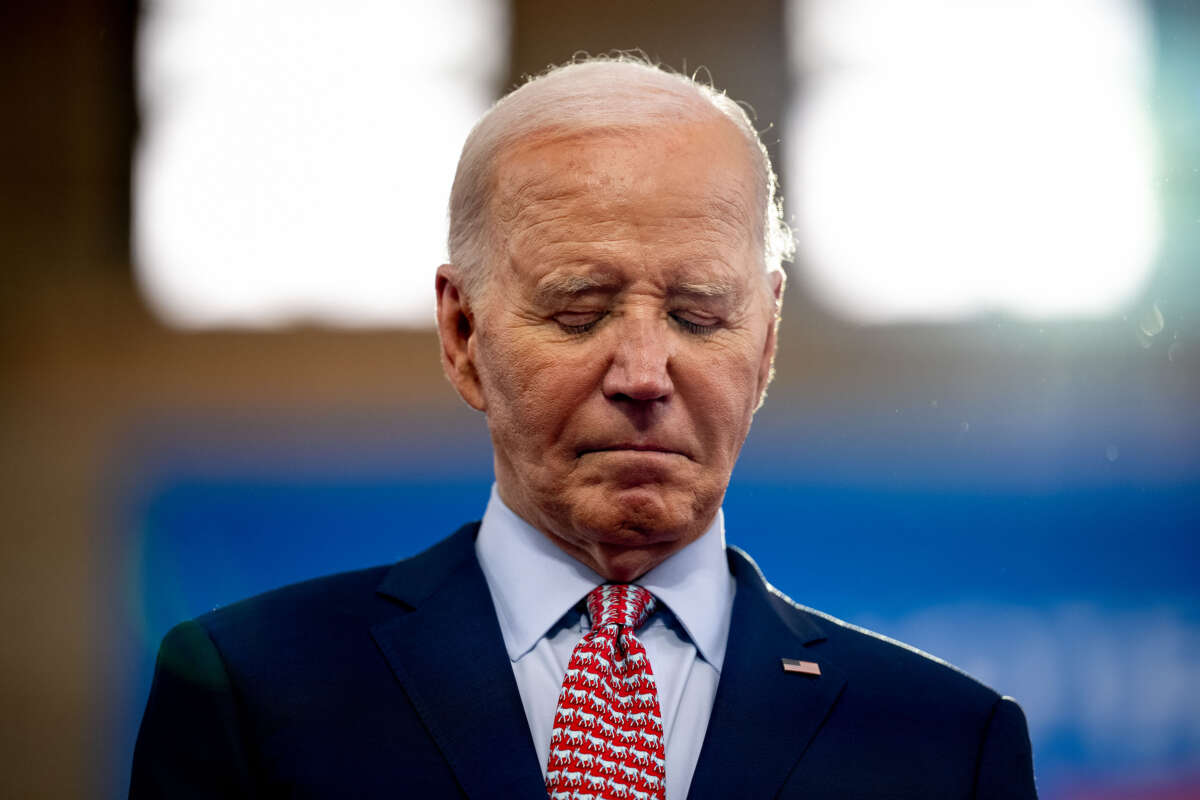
[{"x": 611, "y": 306}]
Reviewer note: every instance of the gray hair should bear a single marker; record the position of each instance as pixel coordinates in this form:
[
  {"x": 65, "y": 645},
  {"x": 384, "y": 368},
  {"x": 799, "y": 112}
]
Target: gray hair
[{"x": 620, "y": 93}]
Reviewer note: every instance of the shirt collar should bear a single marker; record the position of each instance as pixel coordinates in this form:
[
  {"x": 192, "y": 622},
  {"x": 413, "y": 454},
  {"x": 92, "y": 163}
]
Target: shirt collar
[{"x": 533, "y": 582}]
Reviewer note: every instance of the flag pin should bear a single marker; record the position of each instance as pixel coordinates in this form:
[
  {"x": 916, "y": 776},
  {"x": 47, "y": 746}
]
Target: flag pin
[{"x": 802, "y": 667}]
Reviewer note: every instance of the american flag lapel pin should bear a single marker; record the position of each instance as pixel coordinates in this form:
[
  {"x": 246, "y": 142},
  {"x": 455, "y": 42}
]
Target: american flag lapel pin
[{"x": 801, "y": 667}]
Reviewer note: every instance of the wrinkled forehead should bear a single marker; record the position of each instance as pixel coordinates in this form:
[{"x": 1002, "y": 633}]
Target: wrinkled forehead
[{"x": 557, "y": 179}]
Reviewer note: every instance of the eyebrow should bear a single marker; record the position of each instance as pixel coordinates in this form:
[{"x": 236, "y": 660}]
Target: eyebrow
[
  {"x": 705, "y": 289},
  {"x": 560, "y": 286}
]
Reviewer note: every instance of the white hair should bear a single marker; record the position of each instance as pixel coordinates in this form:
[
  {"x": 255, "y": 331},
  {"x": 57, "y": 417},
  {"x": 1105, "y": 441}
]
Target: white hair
[{"x": 616, "y": 94}]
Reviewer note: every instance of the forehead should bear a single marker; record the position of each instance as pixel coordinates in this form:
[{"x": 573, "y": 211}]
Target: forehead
[{"x": 679, "y": 197}]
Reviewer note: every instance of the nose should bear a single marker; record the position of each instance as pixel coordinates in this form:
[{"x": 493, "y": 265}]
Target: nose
[{"x": 640, "y": 367}]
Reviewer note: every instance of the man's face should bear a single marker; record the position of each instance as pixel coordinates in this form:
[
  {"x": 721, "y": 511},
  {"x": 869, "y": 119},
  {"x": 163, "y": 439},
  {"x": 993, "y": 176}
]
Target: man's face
[{"x": 624, "y": 337}]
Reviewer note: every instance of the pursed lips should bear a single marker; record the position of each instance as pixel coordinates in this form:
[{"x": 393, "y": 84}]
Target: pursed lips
[{"x": 640, "y": 447}]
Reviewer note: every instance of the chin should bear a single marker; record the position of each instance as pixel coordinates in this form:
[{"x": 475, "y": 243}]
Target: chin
[
  {"x": 623, "y": 531},
  {"x": 641, "y": 514},
  {"x": 650, "y": 518}
]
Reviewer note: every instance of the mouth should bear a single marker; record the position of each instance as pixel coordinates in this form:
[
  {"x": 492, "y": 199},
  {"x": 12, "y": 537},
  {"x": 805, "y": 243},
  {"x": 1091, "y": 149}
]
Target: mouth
[{"x": 634, "y": 447}]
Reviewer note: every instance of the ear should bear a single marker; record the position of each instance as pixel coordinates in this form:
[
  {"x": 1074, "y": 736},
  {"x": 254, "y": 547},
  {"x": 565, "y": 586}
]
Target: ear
[
  {"x": 456, "y": 331},
  {"x": 776, "y": 281}
]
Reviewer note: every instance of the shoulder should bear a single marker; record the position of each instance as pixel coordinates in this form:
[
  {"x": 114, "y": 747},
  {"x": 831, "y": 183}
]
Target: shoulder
[
  {"x": 896, "y": 713},
  {"x": 881, "y": 661},
  {"x": 956, "y": 730},
  {"x": 331, "y": 610},
  {"x": 875, "y": 663},
  {"x": 300, "y": 605}
]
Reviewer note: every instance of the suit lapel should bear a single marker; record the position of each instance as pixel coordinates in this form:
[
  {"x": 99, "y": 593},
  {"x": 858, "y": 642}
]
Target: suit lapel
[
  {"x": 763, "y": 718},
  {"x": 448, "y": 653}
]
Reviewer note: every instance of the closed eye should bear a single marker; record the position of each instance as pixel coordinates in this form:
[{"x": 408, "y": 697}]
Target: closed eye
[
  {"x": 578, "y": 321},
  {"x": 582, "y": 322},
  {"x": 691, "y": 326}
]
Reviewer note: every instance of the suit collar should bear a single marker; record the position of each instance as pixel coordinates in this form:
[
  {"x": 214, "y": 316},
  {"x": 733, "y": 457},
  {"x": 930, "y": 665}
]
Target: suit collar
[
  {"x": 764, "y": 718},
  {"x": 448, "y": 655}
]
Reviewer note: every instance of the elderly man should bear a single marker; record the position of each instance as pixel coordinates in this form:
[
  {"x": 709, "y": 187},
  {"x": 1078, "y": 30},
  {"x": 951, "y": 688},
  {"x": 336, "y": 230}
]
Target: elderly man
[{"x": 610, "y": 304}]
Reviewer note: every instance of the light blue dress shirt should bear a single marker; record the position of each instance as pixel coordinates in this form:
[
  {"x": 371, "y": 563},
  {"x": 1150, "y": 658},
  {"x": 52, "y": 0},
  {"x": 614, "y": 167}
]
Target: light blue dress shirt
[{"x": 537, "y": 588}]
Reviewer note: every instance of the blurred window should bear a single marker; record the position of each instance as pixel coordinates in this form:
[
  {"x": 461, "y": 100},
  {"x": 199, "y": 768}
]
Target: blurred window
[
  {"x": 296, "y": 156},
  {"x": 954, "y": 158}
]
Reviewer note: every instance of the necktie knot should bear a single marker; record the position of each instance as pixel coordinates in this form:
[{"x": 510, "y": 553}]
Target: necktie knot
[{"x": 620, "y": 604}]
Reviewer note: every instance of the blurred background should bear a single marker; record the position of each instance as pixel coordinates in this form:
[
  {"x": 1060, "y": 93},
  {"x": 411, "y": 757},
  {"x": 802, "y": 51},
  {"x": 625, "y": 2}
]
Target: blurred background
[{"x": 219, "y": 222}]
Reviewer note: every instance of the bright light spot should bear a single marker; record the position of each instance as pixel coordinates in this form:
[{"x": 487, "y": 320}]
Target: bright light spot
[
  {"x": 297, "y": 156},
  {"x": 955, "y": 158}
]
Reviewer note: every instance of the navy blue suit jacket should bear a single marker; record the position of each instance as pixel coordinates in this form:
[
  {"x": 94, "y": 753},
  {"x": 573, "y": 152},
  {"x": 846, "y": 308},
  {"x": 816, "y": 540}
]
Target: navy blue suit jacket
[{"x": 394, "y": 682}]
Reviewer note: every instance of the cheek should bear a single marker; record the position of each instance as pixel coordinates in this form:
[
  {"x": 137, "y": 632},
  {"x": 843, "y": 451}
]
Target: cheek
[
  {"x": 533, "y": 388},
  {"x": 725, "y": 395}
]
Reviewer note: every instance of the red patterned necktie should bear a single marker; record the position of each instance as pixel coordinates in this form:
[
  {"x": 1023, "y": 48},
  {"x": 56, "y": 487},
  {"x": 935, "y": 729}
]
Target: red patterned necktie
[{"x": 607, "y": 741}]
